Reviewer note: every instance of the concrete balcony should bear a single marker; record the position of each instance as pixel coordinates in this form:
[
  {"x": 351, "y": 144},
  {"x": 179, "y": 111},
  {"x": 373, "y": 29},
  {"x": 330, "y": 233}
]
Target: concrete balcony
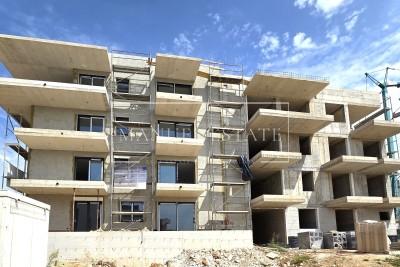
[
  {"x": 18, "y": 96},
  {"x": 49, "y": 139},
  {"x": 177, "y": 105},
  {"x": 178, "y": 191},
  {"x": 348, "y": 164},
  {"x": 275, "y": 201},
  {"x": 384, "y": 166},
  {"x": 284, "y": 86},
  {"x": 353, "y": 202},
  {"x": 59, "y": 187},
  {"x": 390, "y": 203},
  {"x": 183, "y": 147},
  {"x": 173, "y": 67},
  {"x": 265, "y": 162},
  {"x": 376, "y": 130},
  {"x": 288, "y": 121},
  {"x": 49, "y": 60}
]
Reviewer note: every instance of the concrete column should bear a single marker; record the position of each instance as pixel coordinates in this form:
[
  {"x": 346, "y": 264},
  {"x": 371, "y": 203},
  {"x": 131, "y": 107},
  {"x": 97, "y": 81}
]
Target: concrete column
[{"x": 348, "y": 125}]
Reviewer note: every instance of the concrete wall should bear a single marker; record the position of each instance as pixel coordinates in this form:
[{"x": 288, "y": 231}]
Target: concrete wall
[
  {"x": 62, "y": 164},
  {"x": 23, "y": 230},
  {"x": 141, "y": 248},
  {"x": 63, "y": 119},
  {"x": 61, "y": 211}
]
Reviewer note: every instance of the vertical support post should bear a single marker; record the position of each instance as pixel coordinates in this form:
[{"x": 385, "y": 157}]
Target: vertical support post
[
  {"x": 73, "y": 212},
  {"x": 110, "y": 89}
]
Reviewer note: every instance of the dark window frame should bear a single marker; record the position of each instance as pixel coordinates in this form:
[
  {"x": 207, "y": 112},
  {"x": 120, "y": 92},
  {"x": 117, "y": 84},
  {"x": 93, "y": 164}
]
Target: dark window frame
[
  {"x": 88, "y": 205},
  {"x": 176, "y": 212},
  {"x": 315, "y": 211},
  {"x": 88, "y": 158},
  {"x": 92, "y": 77},
  {"x": 176, "y": 163},
  {"x": 305, "y": 144},
  {"x": 125, "y": 82},
  {"x": 91, "y": 117},
  {"x": 121, "y": 130},
  {"x": 309, "y": 187},
  {"x": 174, "y": 85},
  {"x": 384, "y": 216},
  {"x": 132, "y": 217},
  {"x": 174, "y": 123}
]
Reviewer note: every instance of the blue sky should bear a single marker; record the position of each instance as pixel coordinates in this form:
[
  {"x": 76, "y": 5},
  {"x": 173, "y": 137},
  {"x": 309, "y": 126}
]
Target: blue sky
[{"x": 339, "y": 39}]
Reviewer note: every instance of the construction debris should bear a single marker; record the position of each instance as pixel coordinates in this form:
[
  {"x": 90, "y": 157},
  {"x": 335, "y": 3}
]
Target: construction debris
[{"x": 236, "y": 257}]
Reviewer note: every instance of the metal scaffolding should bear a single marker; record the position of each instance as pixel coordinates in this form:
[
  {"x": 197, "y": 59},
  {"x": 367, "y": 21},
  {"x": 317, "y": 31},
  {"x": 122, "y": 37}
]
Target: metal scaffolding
[
  {"x": 11, "y": 168},
  {"x": 229, "y": 195},
  {"x": 131, "y": 152}
]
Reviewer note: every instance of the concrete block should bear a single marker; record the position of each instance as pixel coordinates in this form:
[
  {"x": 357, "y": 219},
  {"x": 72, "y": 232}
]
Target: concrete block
[
  {"x": 310, "y": 240},
  {"x": 335, "y": 239}
]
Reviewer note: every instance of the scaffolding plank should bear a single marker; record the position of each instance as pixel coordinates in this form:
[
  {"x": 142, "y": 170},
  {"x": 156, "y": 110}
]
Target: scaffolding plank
[
  {"x": 131, "y": 153},
  {"x": 19, "y": 149},
  {"x": 224, "y": 156},
  {"x": 228, "y": 183},
  {"x": 131, "y": 212},
  {"x": 131, "y": 69},
  {"x": 232, "y": 211},
  {"x": 129, "y": 96},
  {"x": 224, "y": 129},
  {"x": 226, "y": 104},
  {"x": 132, "y": 123}
]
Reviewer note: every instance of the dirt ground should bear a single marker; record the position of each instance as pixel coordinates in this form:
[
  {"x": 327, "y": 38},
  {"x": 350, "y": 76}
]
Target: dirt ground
[
  {"x": 334, "y": 258},
  {"x": 258, "y": 256}
]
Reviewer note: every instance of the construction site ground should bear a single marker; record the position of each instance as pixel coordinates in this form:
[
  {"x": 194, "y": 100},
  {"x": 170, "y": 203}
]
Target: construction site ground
[{"x": 259, "y": 256}]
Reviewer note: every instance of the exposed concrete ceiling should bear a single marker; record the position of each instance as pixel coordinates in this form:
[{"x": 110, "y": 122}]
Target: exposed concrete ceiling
[
  {"x": 165, "y": 190},
  {"x": 179, "y": 68},
  {"x": 175, "y": 105},
  {"x": 357, "y": 112},
  {"x": 376, "y": 130},
  {"x": 59, "y": 187},
  {"x": 49, "y": 60},
  {"x": 288, "y": 121},
  {"x": 347, "y": 164},
  {"x": 352, "y": 202},
  {"x": 49, "y": 139},
  {"x": 275, "y": 201},
  {"x": 264, "y": 86},
  {"x": 18, "y": 96},
  {"x": 360, "y": 103},
  {"x": 385, "y": 166},
  {"x": 184, "y": 147},
  {"x": 267, "y": 162}
]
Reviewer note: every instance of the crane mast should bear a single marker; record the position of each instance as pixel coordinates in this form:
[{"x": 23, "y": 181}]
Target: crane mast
[{"x": 389, "y": 115}]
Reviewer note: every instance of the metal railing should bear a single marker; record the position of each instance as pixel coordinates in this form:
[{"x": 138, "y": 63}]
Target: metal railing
[{"x": 293, "y": 75}]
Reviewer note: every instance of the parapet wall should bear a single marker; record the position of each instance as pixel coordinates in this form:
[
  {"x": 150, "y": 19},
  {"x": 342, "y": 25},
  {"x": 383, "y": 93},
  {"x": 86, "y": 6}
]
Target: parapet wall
[{"x": 141, "y": 248}]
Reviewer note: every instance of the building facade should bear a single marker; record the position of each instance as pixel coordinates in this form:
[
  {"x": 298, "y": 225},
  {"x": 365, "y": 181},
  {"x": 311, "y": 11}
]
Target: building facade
[{"x": 123, "y": 141}]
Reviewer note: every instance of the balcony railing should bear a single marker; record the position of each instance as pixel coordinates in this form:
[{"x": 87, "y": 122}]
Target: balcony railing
[{"x": 293, "y": 75}]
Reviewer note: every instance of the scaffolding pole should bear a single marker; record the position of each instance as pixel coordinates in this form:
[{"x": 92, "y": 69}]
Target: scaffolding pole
[
  {"x": 227, "y": 118},
  {"x": 129, "y": 90}
]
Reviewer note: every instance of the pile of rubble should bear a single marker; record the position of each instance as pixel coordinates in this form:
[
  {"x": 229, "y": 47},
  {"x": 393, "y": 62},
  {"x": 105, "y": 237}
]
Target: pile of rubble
[{"x": 255, "y": 257}]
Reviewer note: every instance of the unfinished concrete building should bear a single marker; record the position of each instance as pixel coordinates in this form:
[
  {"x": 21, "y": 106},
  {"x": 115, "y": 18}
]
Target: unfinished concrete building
[
  {"x": 118, "y": 140},
  {"x": 326, "y": 168}
]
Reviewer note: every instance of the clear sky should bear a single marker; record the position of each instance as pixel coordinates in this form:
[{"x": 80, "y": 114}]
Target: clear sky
[{"x": 339, "y": 39}]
